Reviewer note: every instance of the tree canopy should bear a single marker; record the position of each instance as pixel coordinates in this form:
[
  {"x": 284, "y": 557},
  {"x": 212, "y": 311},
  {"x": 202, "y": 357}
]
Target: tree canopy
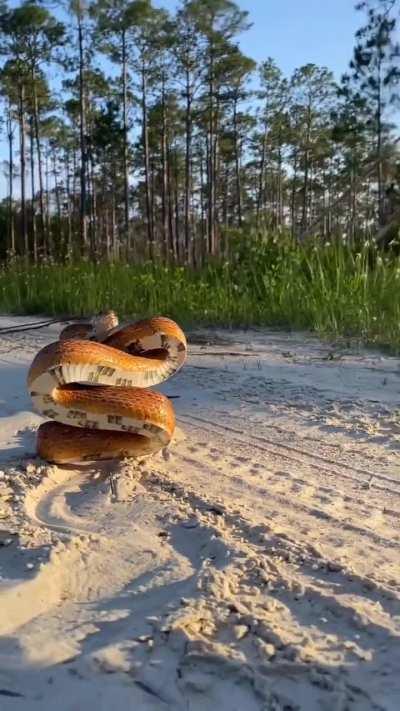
[{"x": 135, "y": 133}]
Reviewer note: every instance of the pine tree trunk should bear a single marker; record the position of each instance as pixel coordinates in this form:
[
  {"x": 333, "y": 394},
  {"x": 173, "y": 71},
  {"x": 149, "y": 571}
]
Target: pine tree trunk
[
  {"x": 293, "y": 210},
  {"x": 125, "y": 141},
  {"x": 354, "y": 205},
  {"x": 45, "y": 247},
  {"x": 49, "y": 241},
  {"x": 164, "y": 168},
  {"x": 211, "y": 157},
  {"x": 368, "y": 211},
  {"x": 351, "y": 225},
  {"x": 225, "y": 219},
  {"x": 56, "y": 187},
  {"x": 178, "y": 248},
  {"x": 188, "y": 163},
  {"x": 171, "y": 233},
  {"x": 68, "y": 190},
  {"x": 33, "y": 207},
  {"x": 260, "y": 198},
  {"x": 89, "y": 195},
  {"x": 152, "y": 208},
  {"x": 329, "y": 208},
  {"x": 115, "y": 248},
  {"x": 279, "y": 186},
  {"x": 216, "y": 172},
  {"x": 76, "y": 203},
  {"x": 381, "y": 210},
  {"x": 304, "y": 216},
  {"x": 145, "y": 135},
  {"x": 11, "y": 229},
  {"x": 58, "y": 239},
  {"x": 107, "y": 232},
  {"x": 93, "y": 207},
  {"x": 203, "y": 247},
  {"x": 82, "y": 138},
  {"x": 21, "y": 118},
  {"x": 237, "y": 163},
  {"x": 310, "y": 200}
]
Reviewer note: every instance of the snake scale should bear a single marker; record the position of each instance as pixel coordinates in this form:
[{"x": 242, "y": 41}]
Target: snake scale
[{"x": 93, "y": 383}]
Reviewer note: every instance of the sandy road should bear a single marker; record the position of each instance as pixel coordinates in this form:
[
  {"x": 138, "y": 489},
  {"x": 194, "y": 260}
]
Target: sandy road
[{"x": 255, "y": 565}]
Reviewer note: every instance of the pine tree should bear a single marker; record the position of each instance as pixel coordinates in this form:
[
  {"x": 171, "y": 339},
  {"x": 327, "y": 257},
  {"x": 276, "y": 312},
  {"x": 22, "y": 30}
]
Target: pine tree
[
  {"x": 375, "y": 75},
  {"x": 313, "y": 91},
  {"x": 274, "y": 94}
]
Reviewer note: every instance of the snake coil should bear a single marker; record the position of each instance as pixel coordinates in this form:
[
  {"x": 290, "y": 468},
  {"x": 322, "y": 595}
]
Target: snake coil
[{"x": 93, "y": 383}]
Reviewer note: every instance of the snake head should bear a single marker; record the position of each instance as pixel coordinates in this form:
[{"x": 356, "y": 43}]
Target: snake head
[{"x": 103, "y": 324}]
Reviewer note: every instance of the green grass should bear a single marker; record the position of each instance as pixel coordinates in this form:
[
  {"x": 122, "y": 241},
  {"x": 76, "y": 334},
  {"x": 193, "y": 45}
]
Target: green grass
[{"x": 331, "y": 289}]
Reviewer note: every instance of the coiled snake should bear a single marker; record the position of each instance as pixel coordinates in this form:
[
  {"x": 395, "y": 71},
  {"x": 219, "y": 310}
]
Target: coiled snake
[{"x": 93, "y": 384}]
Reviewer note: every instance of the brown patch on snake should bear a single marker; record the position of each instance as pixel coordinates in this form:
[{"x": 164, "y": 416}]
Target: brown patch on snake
[
  {"x": 114, "y": 419},
  {"x": 105, "y": 370},
  {"x": 83, "y": 443},
  {"x": 50, "y": 413},
  {"x": 75, "y": 414}
]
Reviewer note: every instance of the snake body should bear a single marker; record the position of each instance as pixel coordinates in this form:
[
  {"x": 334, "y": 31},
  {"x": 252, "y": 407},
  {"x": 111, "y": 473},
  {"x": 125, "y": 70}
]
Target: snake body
[{"x": 93, "y": 383}]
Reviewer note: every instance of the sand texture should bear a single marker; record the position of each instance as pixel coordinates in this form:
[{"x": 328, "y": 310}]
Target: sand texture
[{"x": 253, "y": 566}]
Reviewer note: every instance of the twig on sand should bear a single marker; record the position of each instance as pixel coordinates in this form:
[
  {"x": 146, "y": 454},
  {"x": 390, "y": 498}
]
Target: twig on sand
[
  {"x": 225, "y": 353},
  {"x": 150, "y": 690},
  {"x": 113, "y": 485},
  {"x": 13, "y": 694},
  {"x": 33, "y": 325}
]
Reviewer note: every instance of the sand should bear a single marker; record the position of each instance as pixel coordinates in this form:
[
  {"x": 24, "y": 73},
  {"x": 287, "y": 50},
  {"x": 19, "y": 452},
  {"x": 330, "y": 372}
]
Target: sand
[{"x": 253, "y": 566}]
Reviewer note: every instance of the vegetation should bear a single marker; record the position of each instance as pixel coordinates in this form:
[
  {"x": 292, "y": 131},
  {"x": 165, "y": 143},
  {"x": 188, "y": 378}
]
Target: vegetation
[
  {"x": 331, "y": 289},
  {"x": 152, "y": 166}
]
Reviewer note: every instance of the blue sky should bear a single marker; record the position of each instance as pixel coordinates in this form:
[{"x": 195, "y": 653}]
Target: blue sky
[{"x": 295, "y": 32}]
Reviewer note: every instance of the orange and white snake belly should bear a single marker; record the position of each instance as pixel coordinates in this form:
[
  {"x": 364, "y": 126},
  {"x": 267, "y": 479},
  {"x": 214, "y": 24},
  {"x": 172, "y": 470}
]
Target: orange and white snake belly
[{"x": 93, "y": 383}]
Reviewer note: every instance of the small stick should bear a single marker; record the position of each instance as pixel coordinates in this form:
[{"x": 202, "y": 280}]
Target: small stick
[
  {"x": 113, "y": 485},
  {"x": 32, "y": 326},
  {"x": 242, "y": 354}
]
